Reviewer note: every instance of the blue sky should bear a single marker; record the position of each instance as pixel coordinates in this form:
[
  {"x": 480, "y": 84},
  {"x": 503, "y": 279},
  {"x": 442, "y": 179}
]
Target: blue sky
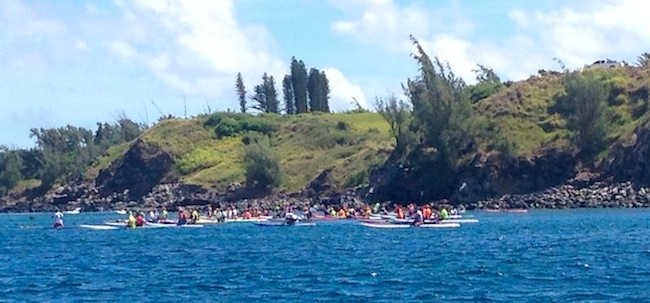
[{"x": 81, "y": 62}]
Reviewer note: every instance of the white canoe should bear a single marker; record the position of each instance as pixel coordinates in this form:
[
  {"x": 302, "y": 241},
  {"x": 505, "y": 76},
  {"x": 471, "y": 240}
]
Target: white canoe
[
  {"x": 459, "y": 221},
  {"x": 162, "y": 225},
  {"x": 121, "y": 212},
  {"x": 389, "y": 225},
  {"x": 440, "y": 225},
  {"x": 283, "y": 223},
  {"x": 123, "y": 225},
  {"x": 207, "y": 221},
  {"x": 75, "y": 211},
  {"x": 241, "y": 220},
  {"x": 384, "y": 225},
  {"x": 97, "y": 227}
]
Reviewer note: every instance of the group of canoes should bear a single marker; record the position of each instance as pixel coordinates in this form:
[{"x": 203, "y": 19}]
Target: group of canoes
[{"x": 414, "y": 216}]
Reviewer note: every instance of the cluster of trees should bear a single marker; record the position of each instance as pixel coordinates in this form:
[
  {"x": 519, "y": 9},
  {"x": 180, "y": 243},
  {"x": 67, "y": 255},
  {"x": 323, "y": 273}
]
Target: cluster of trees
[
  {"x": 438, "y": 115},
  {"x": 302, "y": 92},
  {"x": 584, "y": 107},
  {"x": 438, "y": 112},
  {"x": 62, "y": 154}
]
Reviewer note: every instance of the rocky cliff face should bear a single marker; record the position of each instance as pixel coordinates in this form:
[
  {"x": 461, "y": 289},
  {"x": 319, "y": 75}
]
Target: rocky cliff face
[
  {"x": 420, "y": 177},
  {"x": 630, "y": 158},
  {"x": 493, "y": 174},
  {"x": 143, "y": 167}
]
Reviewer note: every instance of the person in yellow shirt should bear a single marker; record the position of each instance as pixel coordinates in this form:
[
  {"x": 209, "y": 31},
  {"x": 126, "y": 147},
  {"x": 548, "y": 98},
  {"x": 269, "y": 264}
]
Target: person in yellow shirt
[{"x": 131, "y": 222}]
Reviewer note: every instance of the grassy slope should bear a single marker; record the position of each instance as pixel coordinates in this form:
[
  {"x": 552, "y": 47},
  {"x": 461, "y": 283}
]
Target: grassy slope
[
  {"x": 305, "y": 145},
  {"x": 351, "y": 143},
  {"x": 521, "y": 110}
]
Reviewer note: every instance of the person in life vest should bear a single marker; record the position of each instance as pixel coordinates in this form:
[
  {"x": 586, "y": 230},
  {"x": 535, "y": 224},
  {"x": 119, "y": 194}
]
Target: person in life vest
[
  {"x": 131, "y": 222},
  {"x": 426, "y": 212},
  {"x": 139, "y": 220},
  {"x": 444, "y": 214},
  {"x": 195, "y": 216},
  {"x": 400, "y": 212},
  {"x": 58, "y": 219},
  {"x": 165, "y": 213}
]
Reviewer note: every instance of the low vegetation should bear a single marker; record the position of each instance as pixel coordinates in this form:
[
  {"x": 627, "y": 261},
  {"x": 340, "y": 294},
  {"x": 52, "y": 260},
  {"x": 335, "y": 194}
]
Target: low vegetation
[{"x": 440, "y": 117}]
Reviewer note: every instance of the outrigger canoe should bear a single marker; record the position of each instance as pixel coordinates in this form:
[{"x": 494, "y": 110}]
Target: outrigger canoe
[
  {"x": 98, "y": 227},
  {"x": 242, "y": 220},
  {"x": 394, "y": 225},
  {"x": 123, "y": 225},
  {"x": 283, "y": 223}
]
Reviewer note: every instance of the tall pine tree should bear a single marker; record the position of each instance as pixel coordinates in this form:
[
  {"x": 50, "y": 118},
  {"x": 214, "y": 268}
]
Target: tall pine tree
[
  {"x": 318, "y": 88},
  {"x": 313, "y": 89},
  {"x": 287, "y": 91},
  {"x": 299, "y": 83},
  {"x": 324, "y": 92},
  {"x": 241, "y": 93},
  {"x": 273, "y": 104},
  {"x": 266, "y": 96}
]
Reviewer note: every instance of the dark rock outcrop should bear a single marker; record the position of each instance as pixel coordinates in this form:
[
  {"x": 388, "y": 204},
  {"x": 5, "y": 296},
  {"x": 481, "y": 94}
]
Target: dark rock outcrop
[
  {"x": 421, "y": 177},
  {"x": 143, "y": 166},
  {"x": 629, "y": 159},
  {"x": 493, "y": 174}
]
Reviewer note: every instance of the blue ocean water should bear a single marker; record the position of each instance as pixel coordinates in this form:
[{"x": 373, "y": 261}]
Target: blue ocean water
[{"x": 541, "y": 256}]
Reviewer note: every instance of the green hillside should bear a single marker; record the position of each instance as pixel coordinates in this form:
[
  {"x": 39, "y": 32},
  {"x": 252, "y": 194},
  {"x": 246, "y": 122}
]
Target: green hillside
[
  {"x": 525, "y": 110},
  {"x": 347, "y": 143}
]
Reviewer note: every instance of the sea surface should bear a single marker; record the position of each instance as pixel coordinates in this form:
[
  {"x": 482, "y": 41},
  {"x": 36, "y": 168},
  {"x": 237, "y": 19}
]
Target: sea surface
[{"x": 541, "y": 256}]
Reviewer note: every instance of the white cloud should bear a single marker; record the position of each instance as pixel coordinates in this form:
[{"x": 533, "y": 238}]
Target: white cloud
[
  {"x": 383, "y": 23},
  {"x": 576, "y": 33},
  {"x": 189, "y": 44},
  {"x": 124, "y": 49},
  {"x": 342, "y": 91},
  {"x": 81, "y": 46}
]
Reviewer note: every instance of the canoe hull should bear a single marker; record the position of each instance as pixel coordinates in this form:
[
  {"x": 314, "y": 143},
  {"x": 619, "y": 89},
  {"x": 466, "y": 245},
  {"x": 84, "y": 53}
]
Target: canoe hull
[
  {"x": 98, "y": 227},
  {"x": 277, "y": 223}
]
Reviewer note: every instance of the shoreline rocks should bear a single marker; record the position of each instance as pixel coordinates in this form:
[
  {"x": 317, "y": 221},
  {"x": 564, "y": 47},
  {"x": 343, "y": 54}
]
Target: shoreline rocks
[
  {"x": 86, "y": 196},
  {"x": 597, "y": 195}
]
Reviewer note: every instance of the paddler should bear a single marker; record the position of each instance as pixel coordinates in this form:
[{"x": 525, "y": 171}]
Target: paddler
[
  {"x": 426, "y": 212},
  {"x": 400, "y": 212},
  {"x": 419, "y": 217},
  {"x": 290, "y": 218},
  {"x": 153, "y": 215},
  {"x": 376, "y": 208},
  {"x": 218, "y": 215},
  {"x": 195, "y": 216},
  {"x": 58, "y": 219},
  {"x": 443, "y": 213},
  {"x": 139, "y": 220},
  {"x": 182, "y": 216},
  {"x": 342, "y": 213},
  {"x": 131, "y": 222},
  {"x": 165, "y": 213}
]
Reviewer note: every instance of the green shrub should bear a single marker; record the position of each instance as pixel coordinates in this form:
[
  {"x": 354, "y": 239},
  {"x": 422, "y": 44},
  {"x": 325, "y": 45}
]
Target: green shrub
[
  {"x": 342, "y": 126},
  {"x": 230, "y": 124},
  {"x": 261, "y": 166}
]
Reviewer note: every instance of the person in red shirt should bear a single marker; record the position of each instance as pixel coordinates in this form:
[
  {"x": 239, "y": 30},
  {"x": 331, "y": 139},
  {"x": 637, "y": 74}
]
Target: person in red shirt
[{"x": 139, "y": 220}]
